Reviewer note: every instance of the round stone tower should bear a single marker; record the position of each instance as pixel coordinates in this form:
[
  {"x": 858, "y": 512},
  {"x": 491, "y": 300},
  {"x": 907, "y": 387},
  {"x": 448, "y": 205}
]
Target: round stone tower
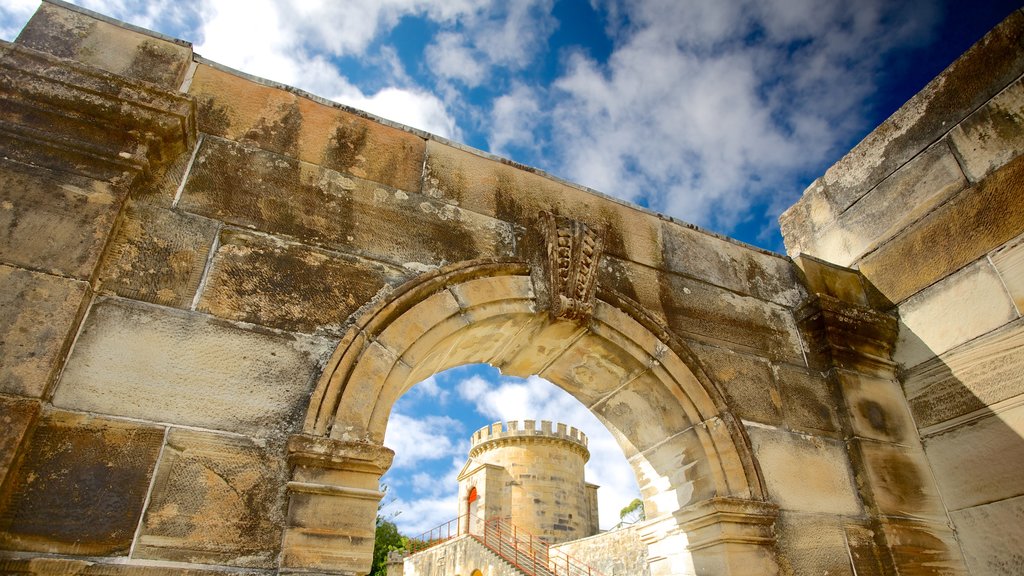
[{"x": 531, "y": 476}]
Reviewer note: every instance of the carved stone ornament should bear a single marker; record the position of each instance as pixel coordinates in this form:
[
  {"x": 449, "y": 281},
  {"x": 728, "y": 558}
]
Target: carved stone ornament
[{"x": 573, "y": 253}]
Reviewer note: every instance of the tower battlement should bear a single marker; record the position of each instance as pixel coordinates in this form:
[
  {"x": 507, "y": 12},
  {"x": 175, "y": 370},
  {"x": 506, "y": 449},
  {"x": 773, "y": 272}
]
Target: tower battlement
[{"x": 504, "y": 433}]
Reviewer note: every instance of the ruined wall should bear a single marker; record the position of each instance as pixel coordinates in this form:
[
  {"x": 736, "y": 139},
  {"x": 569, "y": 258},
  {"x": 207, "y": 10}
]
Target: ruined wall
[
  {"x": 184, "y": 250},
  {"x": 930, "y": 209}
]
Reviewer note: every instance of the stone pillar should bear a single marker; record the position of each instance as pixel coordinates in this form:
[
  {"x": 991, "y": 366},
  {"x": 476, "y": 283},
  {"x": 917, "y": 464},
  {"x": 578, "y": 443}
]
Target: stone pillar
[
  {"x": 332, "y": 505},
  {"x": 722, "y": 536},
  {"x": 853, "y": 342}
]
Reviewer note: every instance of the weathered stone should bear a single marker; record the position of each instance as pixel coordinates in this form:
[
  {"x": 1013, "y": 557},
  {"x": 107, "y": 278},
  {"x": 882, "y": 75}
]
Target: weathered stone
[
  {"x": 728, "y": 264},
  {"x": 155, "y": 364},
  {"x": 898, "y": 201},
  {"x": 66, "y": 567},
  {"x": 70, "y": 32},
  {"x": 53, "y": 221},
  {"x": 1009, "y": 262},
  {"x": 960, "y": 231},
  {"x": 805, "y": 473},
  {"x": 516, "y": 194},
  {"x": 38, "y": 318},
  {"x": 693, "y": 307},
  {"x": 674, "y": 474},
  {"x": 967, "y": 379},
  {"x": 746, "y": 382},
  {"x": 978, "y": 75},
  {"x": 975, "y": 296},
  {"x": 993, "y": 135},
  {"x": 990, "y": 536},
  {"x": 613, "y": 552},
  {"x": 80, "y": 486},
  {"x": 808, "y": 400},
  {"x": 923, "y": 548},
  {"x": 899, "y": 480},
  {"x": 877, "y": 408},
  {"x": 289, "y": 286},
  {"x": 813, "y": 544},
  {"x": 328, "y": 134},
  {"x": 822, "y": 277},
  {"x": 980, "y": 462},
  {"x": 16, "y": 417},
  {"x": 273, "y": 193},
  {"x": 643, "y": 412},
  {"x": 157, "y": 256},
  {"x": 591, "y": 369},
  {"x": 77, "y": 118},
  {"x": 216, "y": 500}
]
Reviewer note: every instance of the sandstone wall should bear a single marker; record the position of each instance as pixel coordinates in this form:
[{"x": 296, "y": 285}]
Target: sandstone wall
[
  {"x": 184, "y": 248},
  {"x": 930, "y": 209},
  {"x": 460, "y": 557},
  {"x": 617, "y": 553}
]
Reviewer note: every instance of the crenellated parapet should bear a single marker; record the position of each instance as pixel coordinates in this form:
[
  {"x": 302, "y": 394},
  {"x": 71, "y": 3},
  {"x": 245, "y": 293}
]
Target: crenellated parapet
[{"x": 502, "y": 434}]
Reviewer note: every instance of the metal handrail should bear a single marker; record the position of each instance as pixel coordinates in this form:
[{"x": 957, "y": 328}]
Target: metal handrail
[
  {"x": 523, "y": 550},
  {"x": 438, "y": 534}
]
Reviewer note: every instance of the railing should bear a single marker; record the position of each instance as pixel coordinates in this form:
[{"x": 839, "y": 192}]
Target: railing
[
  {"x": 529, "y": 553},
  {"x": 439, "y": 534},
  {"x": 523, "y": 550}
]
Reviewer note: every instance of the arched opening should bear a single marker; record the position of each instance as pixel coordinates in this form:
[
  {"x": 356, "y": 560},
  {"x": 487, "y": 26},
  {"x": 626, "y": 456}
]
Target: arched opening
[
  {"x": 696, "y": 472},
  {"x": 473, "y": 511}
]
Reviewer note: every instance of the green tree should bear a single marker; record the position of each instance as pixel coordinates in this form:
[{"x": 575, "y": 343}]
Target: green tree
[
  {"x": 385, "y": 539},
  {"x": 633, "y": 512}
]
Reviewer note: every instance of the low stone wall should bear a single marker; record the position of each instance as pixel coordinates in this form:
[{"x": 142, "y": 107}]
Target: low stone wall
[
  {"x": 460, "y": 557},
  {"x": 616, "y": 553}
]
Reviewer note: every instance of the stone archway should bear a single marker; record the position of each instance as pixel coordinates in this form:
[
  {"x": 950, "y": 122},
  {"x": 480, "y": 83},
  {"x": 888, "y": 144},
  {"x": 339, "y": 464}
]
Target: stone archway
[{"x": 693, "y": 462}]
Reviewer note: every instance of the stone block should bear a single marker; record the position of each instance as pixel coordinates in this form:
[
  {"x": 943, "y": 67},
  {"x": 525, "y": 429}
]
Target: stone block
[
  {"x": 763, "y": 328},
  {"x": 729, "y": 264},
  {"x": 822, "y": 277},
  {"x": 68, "y": 567},
  {"x": 1009, "y": 262},
  {"x": 642, "y": 413},
  {"x": 990, "y": 536},
  {"x": 805, "y": 473},
  {"x": 38, "y": 318},
  {"x": 813, "y": 544},
  {"x": 80, "y": 487},
  {"x": 70, "y": 32},
  {"x": 993, "y": 135},
  {"x": 877, "y": 408},
  {"x": 591, "y": 369},
  {"x": 980, "y": 462},
  {"x": 516, "y": 194},
  {"x": 967, "y": 379},
  {"x": 968, "y": 226},
  {"x": 974, "y": 296},
  {"x": 53, "y": 221},
  {"x": 328, "y": 134},
  {"x": 674, "y": 474},
  {"x": 979, "y": 74},
  {"x": 290, "y": 286},
  {"x": 157, "y": 255},
  {"x": 186, "y": 368},
  {"x": 808, "y": 400},
  {"x": 17, "y": 415},
  {"x": 898, "y": 201},
  {"x": 216, "y": 500},
  {"x": 745, "y": 380},
  {"x": 923, "y": 548},
  {"x": 899, "y": 480},
  {"x": 274, "y": 193}
]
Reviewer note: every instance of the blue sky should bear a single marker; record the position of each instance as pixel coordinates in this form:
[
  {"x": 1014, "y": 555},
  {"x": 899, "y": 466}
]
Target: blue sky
[{"x": 716, "y": 112}]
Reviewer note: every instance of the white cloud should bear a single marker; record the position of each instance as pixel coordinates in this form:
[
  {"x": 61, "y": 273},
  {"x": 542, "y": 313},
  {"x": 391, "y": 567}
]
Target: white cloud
[
  {"x": 427, "y": 438},
  {"x": 707, "y": 108},
  {"x": 514, "y": 118},
  {"x": 14, "y": 14}
]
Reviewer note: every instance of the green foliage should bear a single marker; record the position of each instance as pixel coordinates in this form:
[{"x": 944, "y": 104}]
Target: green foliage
[
  {"x": 385, "y": 539},
  {"x": 633, "y": 512}
]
